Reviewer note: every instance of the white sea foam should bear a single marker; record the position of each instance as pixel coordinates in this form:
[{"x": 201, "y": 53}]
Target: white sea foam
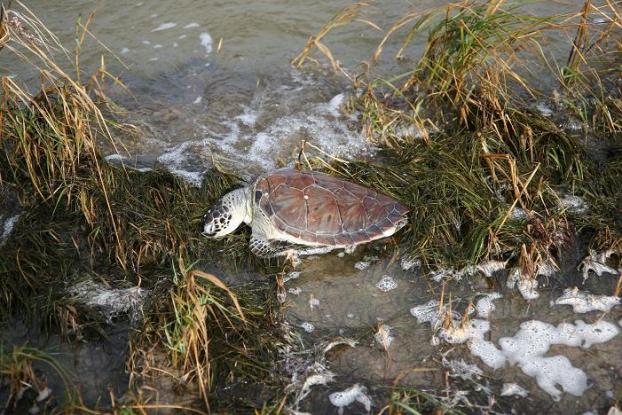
[
  {"x": 518, "y": 214},
  {"x": 526, "y": 348},
  {"x": 513, "y": 389},
  {"x": 191, "y": 25},
  {"x": 348, "y": 396},
  {"x": 445, "y": 274},
  {"x": 206, "y": 42},
  {"x": 574, "y": 204},
  {"x": 313, "y": 302},
  {"x": 362, "y": 265},
  {"x": 334, "y": 104},
  {"x": 194, "y": 178},
  {"x": 488, "y": 268},
  {"x": 324, "y": 377},
  {"x": 124, "y": 51},
  {"x": 115, "y": 157},
  {"x": 584, "y": 302},
  {"x": 527, "y": 286},
  {"x": 291, "y": 276},
  {"x": 8, "y": 226},
  {"x": 197, "y": 100},
  {"x": 295, "y": 291},
  {"x": 176, "y": 158},
  {"x": 308, "y": 327},
  {"x": 409, "y": 262},
  {"x": 157, "y": 46},
  {"x": 109, "y": 302},
  {"x": 386, "y": 284},
  {"x": 462, "y": 369},
  {"x": 596, "y": 262},
  {"x": 485, "y": 305},
  {"x": 544, "y": 109},
  {"x": 248, "y": 117},
  {"x": 164, "y": 26}
]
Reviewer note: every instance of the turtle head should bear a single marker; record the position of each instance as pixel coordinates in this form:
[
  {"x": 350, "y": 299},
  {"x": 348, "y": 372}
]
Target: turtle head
[{"x": 227, "y": 214}]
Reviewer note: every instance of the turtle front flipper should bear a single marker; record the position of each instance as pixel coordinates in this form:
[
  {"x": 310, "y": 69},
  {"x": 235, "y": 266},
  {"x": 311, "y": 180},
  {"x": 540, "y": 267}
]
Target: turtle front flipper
[{"x": 264, "y": 248}]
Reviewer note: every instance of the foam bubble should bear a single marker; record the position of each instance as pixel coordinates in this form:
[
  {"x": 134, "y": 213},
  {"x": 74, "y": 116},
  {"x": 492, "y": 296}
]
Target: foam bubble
[
  {"x": 362, "y": 265},
  {"x": 110, "y": 302},
  {"x": 323, "y": 378},
  {"x": 544, "y": 109},
  {"x": 176, "y": 157},
  {"x": 334, "y": 104},
  {"x": 194, "y": 178},
  {"x": 533, "y": 340},
  {"x": 488, "y": 268},
  {"x": 513, "y": 389},
  {"x": 124, "y": 51},
  {"x": 8, "y": 226},
  {"x": 526, "y": 348},
  {"x": 462, "y": 369},
  {"x": 485, "y": 305},
  {"x": 386, "y": 284},
  {"x": 308, "y": 327},
  {"x": 583, "y": 302},
  {"x": 444, "y": 274},
  {"x": 595, "y": 262},
  {"x": 409, "y": 262},
  {"x": 191, "y": 25},
  {"x": 164, "y": 26},
  {"x": 346, "y": 397},
  {"x": 206, "y": 42},
  {"x": 518, "y": 214},
  {"x": 248, "y": 117},
  {"x": 528, "y": 287},
  {"x": 427, "y": 313},
  {"x": 313, "y": 302},
  {"x": 291, "y": 276},
  {"x": 573, "y": 204}
]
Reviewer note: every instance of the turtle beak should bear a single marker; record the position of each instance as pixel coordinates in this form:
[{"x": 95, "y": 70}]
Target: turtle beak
[{"x": 208, "y": 230}]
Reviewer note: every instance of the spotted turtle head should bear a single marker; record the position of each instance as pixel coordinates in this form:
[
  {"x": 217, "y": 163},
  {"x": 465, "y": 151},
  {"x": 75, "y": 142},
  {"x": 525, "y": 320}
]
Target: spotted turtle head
[{"x": 226, "y": 215}]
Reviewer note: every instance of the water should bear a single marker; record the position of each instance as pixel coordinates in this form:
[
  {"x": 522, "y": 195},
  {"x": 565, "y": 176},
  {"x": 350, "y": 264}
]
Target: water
[{"x": 212, "y": 82}]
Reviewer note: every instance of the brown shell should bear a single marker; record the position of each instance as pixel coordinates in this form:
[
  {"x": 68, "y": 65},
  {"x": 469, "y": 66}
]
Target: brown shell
[{"x": 326, "y": 210}]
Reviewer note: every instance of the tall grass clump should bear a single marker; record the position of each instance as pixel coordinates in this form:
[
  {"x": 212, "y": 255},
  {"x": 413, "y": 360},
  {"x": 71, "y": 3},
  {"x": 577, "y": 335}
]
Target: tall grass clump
[{"x": 486, "y": 128}]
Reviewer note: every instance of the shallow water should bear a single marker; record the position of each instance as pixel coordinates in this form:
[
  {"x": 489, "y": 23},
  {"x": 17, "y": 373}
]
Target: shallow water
[
  {"x": 340, "y": 300},
  {"x": 243, "y": 106}
]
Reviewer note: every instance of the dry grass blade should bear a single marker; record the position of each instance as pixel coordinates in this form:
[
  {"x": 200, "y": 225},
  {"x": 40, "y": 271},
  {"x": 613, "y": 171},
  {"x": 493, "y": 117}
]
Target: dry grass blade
[
  {"x": 345, "y": 16},
  {"x": 217, "y": 282}
]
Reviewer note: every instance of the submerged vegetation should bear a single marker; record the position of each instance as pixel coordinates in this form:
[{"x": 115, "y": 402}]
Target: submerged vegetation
[{"x": 467, "y": 138}]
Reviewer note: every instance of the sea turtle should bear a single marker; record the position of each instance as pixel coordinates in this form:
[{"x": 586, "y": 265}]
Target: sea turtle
[{"x": 305, "y": 212}]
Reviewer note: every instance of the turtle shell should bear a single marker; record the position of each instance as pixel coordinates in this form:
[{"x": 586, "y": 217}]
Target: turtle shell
[{"x": 324, "y": 210}]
